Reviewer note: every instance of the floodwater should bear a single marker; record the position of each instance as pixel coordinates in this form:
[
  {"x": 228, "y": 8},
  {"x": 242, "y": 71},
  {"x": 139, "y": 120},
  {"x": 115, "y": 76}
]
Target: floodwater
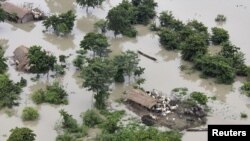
[{"x": 163, "y": 75}]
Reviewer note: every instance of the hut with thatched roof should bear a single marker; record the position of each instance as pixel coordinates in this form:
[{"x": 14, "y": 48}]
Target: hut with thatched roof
[
  {"x": 21, "y": 58},
  {"x": 16, "y": 13},
  {"x": 140, "y": 97}
]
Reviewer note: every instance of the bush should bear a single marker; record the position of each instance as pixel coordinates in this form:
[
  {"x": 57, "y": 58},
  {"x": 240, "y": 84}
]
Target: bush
[
  {"x": 65, "y": 137},
  {"x": 69, "y": 123},
  {"x": 91, "y": 118},
  {"x": 216, "y": 66},
  {"x": 243, "y": 115},
  {"x": 21, "y": 134},
  {"x": 23, "y": 82},
  {"x": 29, "y": 113},
  {"x": 169, "y": 39},
  {"x": 110, "y": 125},
  {"x": 3, "y": 65},
  {"x": 53, "y": 94},
  {"x": 9, "y": 92},
  {"x": 246, "y": 88},
  {"x": 220, "y": 18},
  {"x": 201, "y": 98},
  {"x": 219, "y": 35}
]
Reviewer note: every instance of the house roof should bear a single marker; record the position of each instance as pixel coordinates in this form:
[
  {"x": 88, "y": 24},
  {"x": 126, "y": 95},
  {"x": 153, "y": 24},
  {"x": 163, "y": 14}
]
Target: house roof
[
  {"x": 140, "y": 97},
  {"x": 21, "y": 55},
  {"x": 11, "y": 8}
]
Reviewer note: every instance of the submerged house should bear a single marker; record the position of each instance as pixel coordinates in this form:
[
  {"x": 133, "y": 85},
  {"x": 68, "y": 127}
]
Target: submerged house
[
  {"x": 141, "y": 98},
  {"x": 16, "y": 13},
  {"x": 21, "y": 58}
]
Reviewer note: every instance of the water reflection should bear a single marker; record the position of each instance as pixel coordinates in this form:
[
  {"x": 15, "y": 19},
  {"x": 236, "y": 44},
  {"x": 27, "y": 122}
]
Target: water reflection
[{"x": 62, "y": 43}]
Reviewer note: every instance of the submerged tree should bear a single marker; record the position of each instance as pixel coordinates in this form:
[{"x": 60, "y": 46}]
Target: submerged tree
[
  {"x": 61, "y": 24},
  {"x": 21, "y": 134},
  {"x": 193, "y": 46},
  {"x": 145, "y": 10},
  {"x": 127, "y": 64},
  {"x": 9, "y": 92},
  {"x": 219, "y": 36},
  {"x": 3, "y": 65},
  {"x": 169, "y": 39},
  {"x": 120, "y": 19},
  {"x": 89, "y": 3},
  {"x": 3, "y": 14},
  {"x": 40, "y": 61},
  {"x": 95, "y": 42},
  {"x": 98, "y": 75}
]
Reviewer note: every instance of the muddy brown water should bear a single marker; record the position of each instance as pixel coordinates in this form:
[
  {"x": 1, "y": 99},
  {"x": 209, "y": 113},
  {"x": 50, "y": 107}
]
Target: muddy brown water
[{"x": 163, "y": 75}]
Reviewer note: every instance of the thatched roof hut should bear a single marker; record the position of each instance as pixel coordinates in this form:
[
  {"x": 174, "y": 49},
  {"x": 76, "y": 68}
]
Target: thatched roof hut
[
  {"x": 21, "y": 58},
  {"x": 140, "y": 97},
  {"x": 23, "y": 15}
]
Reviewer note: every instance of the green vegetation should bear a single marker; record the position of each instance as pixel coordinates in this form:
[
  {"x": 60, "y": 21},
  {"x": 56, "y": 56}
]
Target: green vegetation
[
  {"x": 62, "y": 58},
  {"x": 127, "y": 64},
  {"x": 80, "y": 59},
  {"x": 219, "y": 35},
  {"x": 95, "y": 42},
  {"x": 91, "y": 118},
  {"x": 193, "y": 46},
  {"x": 89, "y": 3},
  {"x": 61, "y": 24},
  {"x": 98, "y": 75},
  {"x": 9, "y": 92},
  {"x": 3, "y": 65},
  {"x": 220, "y": 18},
  {"x": 71, "y": 130},
  {"x": 201, "y": 98},
  {"x": 102, "y": 25},
  {"x": 21, "y": 134},
  {"x": 134, "y": 132},
  {"x": 23, "y": 82},
  {"x": 54, "y": 94},
  {"x": 246, "y": 88},
  {"x": 29, "y": 114},
  {"x": 121, "y": 18},
  {"x": 216, "y": 66},
  {"x": 243, "y": 115},
  {"x": 40, "y": 61},
  {"x": 3, "y": 14},
  {"x": 169, "y": 39},
  {"x": 110, "y": 125}
]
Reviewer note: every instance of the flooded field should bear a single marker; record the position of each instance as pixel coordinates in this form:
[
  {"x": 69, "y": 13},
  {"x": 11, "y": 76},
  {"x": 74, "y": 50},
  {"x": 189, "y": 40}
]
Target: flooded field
[{"x": 163, "y": 75}]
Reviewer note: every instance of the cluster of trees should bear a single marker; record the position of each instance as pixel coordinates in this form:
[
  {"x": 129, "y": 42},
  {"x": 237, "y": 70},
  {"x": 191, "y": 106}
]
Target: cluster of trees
[
  {"x": 53, "y": 94},
  {"x": 193, "y": 40},
  {"x": 61, "y": 24},
  {"x": 89, "y": 3},
  {"x": 21, "y": 134},
  {"x": 100, "y": 72},
  {"x": 71, "y": 129},
  {"x": 121, "y": 18},
  {"x": 9, "y": 92}
]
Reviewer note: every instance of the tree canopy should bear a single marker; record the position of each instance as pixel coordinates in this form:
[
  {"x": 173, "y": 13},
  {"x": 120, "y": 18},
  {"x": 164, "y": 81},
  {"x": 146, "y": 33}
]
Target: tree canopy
[
  {"x": 95, "y": 42},
  {"x": 219, "y": 35},
  {"x": 98, "y": 75},
  {"x": 9, "y": 92},
  {"x": 21, "y": 134},
  {"x": 89, "y": 3},
  {"x": 40, "y": 61},
  {"x": 121, "y": 18},
  {"x": 61, "y": 24},
  {"x": 194, "y": 45}
]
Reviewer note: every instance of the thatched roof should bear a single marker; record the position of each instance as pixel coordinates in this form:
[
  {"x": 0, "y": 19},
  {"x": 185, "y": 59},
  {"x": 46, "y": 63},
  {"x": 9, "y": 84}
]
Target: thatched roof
[
  {"x": 21, "y": 57},
  {"x": 140, "y": 97},
  {"x": 11, "y": 8}
]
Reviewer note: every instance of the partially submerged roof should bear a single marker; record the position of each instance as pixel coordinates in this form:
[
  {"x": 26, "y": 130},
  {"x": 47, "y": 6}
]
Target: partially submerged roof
[
  {"x": 11, "y": 8},
  {"x": 21, "y": 57},
  {"x": 140, "y": 97}
]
